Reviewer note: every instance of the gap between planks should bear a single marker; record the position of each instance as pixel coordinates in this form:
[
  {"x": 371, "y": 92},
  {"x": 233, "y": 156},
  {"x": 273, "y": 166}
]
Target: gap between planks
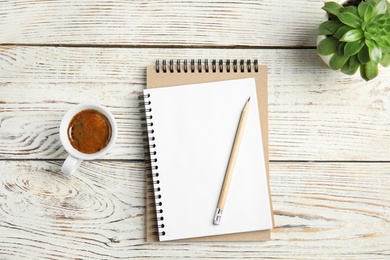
[
  {"x": 150, "y": 46},
  {"x": 145, "y": 161}
]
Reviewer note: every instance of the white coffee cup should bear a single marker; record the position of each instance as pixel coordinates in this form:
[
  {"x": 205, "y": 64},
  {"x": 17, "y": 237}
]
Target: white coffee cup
[{"x": 75, "y": 157}]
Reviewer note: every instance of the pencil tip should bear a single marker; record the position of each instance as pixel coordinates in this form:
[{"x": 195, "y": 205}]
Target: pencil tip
[{"x": 249, "y": 99}]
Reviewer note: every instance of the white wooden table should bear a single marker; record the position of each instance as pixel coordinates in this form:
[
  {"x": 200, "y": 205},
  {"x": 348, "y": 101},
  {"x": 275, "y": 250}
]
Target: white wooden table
[{"x": 329, "y": 134}]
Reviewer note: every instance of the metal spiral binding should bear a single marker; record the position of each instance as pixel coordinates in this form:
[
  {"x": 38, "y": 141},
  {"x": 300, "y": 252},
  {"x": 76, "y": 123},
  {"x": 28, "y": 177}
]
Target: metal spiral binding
[
  {"x": 229, "y": 66},
  {"x": 153, "y": 177}
]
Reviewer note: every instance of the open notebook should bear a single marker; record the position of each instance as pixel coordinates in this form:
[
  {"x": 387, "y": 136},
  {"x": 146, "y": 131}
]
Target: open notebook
[{"x": 191, "y": 131}]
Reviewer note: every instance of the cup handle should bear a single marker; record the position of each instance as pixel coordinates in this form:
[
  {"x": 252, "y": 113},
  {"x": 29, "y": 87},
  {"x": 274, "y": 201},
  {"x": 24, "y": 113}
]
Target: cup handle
[{"x": 70, "y": 165}]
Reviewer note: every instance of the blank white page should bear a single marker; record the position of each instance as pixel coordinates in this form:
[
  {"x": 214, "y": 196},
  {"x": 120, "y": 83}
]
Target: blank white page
[{"x": 194, "y": 127}]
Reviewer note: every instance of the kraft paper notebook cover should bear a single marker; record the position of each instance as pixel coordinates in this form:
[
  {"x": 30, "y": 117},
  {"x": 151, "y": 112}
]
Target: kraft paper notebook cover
[{"x": 183, "y": 74}]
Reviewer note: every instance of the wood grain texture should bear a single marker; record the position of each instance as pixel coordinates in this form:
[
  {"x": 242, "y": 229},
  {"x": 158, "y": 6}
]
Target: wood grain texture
[
  {"x": 92, "y": 214},
  {"x": 169, "y": 23},
  {"x": 322, "y": 211},
  {"x": 314, "y": 113},
  {"x": 55, "y": 54}
]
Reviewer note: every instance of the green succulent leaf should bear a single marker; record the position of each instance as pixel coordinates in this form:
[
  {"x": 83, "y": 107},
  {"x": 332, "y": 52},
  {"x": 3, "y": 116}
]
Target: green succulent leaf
[
  {"x": 328, "y": 46},
  {"x": 351, "y": 66},
  {"x": 358, "y": 37},
  {"x": 341, "y": 31},
  {"x": 352, "y": 35},
  {"x": 350, "y": 9},
  {"x": 362, "y": 9},
  {"x": 369, "y": 13},
  {"x": 380, "y": 8},
  {"x": 332, "y": 8},
  {"x": 383, "y": 42},
  {"x": 353, "y": 63},
  {"x": 364, "y": 55},
  {"x": 352, "y": 48},
  {"x": 367, "y": 36},
  {"x": 350, "y": 19},
  {"x": 374, "y": 50},
  {"x": 373, "y": 27},
  {"x": 372, "y": 2},
  {"x": 340, "y": 50},
  {"x": 329, "y": 27},
  {"x": 385, "y": 59},
  {"x": 337, "y": 61},
  {"x": 371, "y": 70},
  {"x": 370, "y": 43},
  {"x": 363, "y": 72}
]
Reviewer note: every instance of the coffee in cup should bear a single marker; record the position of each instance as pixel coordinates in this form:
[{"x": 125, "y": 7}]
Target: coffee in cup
[{"x": 87, "y": 132}]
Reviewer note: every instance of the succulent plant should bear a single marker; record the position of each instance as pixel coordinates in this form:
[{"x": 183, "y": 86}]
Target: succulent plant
[{"x": 357, "y": 35}]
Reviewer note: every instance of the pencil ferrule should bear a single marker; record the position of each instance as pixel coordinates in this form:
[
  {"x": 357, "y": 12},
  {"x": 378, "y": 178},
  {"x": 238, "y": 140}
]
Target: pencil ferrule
[{"x": 218, "y": 216}]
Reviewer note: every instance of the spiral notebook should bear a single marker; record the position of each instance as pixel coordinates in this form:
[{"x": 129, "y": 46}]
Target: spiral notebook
[{"x": 189, "y": 153}]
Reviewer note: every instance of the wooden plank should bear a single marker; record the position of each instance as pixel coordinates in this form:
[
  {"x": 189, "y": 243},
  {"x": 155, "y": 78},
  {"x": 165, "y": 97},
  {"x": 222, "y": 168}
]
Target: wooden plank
[
  {"x": 322, "y": 210},
  {"x": 31, "y": 115},
  {"x": 91, "y": 214},
  {"x": 332, "y": 207},
  {"x": 314, "y": 113},
  {"x": 164, "y": 23}
]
